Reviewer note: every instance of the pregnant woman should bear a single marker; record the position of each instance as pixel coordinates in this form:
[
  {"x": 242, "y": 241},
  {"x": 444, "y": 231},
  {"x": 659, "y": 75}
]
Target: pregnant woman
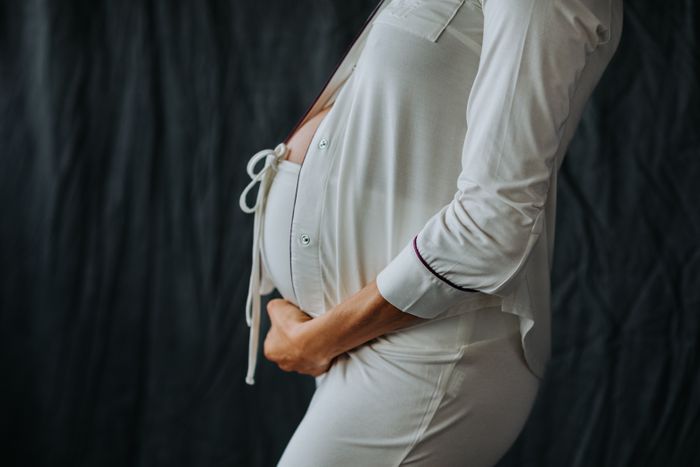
[{"x": 408, "y": 224}]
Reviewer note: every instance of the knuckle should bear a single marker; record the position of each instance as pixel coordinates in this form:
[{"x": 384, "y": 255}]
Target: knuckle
[
  {"x": 274, "y": 303},
  {"x": 267, "y": 352}
]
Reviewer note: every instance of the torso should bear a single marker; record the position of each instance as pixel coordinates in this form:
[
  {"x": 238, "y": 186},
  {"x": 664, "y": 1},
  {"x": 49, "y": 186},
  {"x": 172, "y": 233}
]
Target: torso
[{"x": 301, "y": 139}]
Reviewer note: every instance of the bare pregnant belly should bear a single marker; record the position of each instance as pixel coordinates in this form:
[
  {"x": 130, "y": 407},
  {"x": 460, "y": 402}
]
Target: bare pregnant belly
[{"x": 280, "y": 206}]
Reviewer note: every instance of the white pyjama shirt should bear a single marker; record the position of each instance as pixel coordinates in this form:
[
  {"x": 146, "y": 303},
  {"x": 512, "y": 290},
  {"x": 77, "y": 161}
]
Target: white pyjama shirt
[{"x": 435, "y": 170}]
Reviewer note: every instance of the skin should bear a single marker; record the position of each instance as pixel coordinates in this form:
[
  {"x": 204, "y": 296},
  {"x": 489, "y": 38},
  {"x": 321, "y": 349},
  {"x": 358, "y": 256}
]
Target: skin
[
  {"x": 299, "y": 142},
  {"x": 298, "y": 342}
]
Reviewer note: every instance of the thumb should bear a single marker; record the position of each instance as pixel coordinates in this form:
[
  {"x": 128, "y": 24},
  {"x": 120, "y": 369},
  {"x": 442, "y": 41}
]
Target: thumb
[{"x": 272, "y": 307}]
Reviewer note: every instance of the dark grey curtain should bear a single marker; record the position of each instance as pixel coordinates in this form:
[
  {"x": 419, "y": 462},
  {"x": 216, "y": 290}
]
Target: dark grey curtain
[{"x": 125, "y": 127}]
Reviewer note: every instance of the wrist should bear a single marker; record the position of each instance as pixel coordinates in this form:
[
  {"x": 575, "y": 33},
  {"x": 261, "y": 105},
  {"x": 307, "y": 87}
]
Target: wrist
[{"x": 312, "y": 342}]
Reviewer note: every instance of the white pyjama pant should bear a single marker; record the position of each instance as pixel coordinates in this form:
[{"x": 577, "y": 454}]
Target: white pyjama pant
[{"x": 387, "y": 404}]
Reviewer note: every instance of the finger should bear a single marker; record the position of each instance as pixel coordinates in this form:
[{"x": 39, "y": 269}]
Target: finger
[
  {"x": 270, "y": 346},
  {"x": 273, "y": 308},
  {"x": 283, "y": 312}
]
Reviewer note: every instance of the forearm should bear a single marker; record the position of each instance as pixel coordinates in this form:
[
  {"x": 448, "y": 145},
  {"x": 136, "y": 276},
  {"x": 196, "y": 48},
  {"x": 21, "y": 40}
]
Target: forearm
[{"x": 362, "y": 317}]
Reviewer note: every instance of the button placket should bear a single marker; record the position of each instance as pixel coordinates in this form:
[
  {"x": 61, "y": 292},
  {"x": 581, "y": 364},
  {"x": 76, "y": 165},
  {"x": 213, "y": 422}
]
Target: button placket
[{"x": 305, "y": 267}]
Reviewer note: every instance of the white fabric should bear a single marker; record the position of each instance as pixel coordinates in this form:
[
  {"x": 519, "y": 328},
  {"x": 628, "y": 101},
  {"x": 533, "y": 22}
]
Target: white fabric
[
  {"x": 435, "y": 170},
  {"x": 460, "y": 398},
  {"x": 274, "y": 247},
  {"x": 258, "y": 285}
]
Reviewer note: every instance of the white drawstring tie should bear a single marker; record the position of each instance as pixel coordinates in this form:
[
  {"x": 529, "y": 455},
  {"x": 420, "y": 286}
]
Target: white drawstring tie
[{"x": 252, "y": 305}]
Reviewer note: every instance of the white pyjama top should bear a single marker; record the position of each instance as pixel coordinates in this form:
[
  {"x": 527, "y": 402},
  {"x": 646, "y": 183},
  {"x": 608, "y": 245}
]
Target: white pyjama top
[{"x": 435, "y": 170}]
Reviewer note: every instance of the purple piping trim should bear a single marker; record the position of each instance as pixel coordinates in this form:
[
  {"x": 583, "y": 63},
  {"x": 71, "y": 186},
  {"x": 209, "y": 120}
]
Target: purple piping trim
[{"x": 425, "y": 263}]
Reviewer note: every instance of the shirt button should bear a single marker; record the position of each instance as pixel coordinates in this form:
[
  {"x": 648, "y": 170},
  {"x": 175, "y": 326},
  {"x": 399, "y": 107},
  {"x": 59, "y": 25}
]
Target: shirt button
[
  {"x": 323, "y": 143},
  {"x": 305, "y": 239}
]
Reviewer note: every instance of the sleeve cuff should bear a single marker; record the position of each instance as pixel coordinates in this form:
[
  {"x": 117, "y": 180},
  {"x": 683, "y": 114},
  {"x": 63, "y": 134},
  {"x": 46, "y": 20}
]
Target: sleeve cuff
[{"x": 410, "y": 286}]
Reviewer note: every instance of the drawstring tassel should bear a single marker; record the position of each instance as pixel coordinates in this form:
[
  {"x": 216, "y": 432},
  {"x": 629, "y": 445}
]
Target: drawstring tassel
[{"x": 252, "y": 305}]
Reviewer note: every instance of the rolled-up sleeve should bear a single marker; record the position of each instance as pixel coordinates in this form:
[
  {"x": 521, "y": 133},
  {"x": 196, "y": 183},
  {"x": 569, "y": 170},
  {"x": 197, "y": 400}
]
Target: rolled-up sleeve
[{"x": 533, "y": 54}]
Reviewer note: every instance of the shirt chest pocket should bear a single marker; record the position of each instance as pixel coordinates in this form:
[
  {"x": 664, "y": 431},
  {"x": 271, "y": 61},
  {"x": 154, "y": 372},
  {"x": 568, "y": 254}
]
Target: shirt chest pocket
[{"x": 424, "y": 18}]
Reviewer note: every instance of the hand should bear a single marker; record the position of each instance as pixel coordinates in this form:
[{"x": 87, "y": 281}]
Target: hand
[{"x": 285, "y": 343}]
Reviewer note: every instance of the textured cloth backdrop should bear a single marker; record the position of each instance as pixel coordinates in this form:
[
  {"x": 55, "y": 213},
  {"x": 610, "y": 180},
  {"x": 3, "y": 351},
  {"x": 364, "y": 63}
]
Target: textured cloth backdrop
[{"x": 125, "y": 127}]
